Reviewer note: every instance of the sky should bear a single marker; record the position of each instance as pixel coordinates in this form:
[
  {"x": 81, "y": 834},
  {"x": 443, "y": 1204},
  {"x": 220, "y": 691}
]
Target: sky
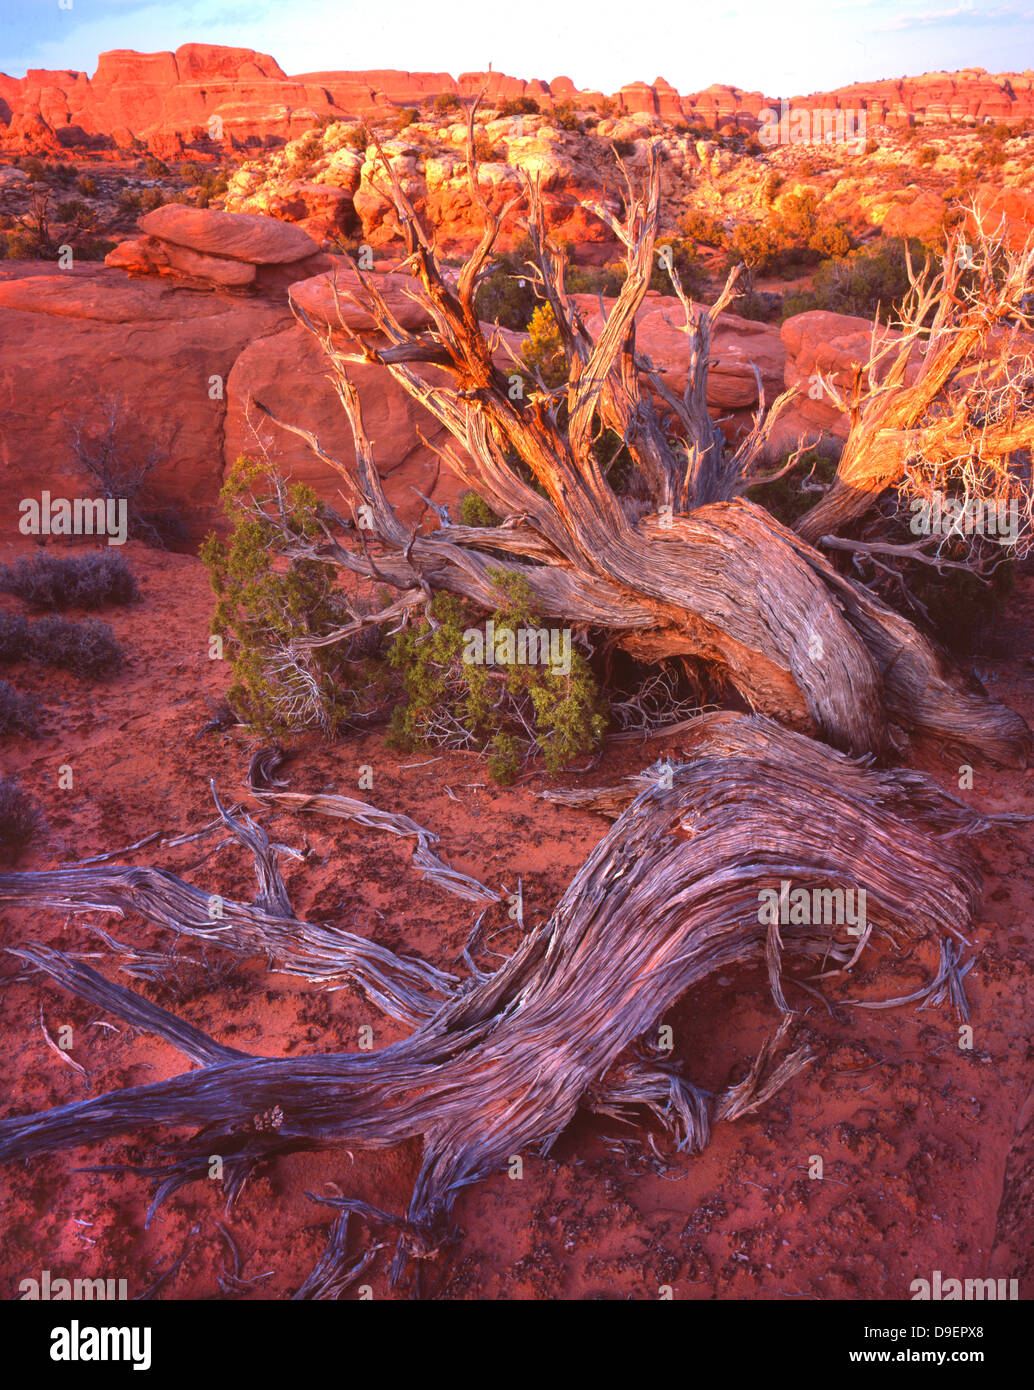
[{"x": 782, "y": 48}]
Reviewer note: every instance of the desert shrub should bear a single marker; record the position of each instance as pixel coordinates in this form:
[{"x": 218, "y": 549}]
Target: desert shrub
[
  {"x": 771, "y": 184},
  {"x": 92, "y": 248},
  {"x": 543, "y": 349},
  {"x": 484, "y": 151},
  {"x": 151, "y": 198},
  {"x": 506, "y": 294},
  {"x": 71, "y": 209},
  {"x": 20, "y": 819},
  {"x": 759, "y": 246},
  {"x": 927, "y": 155},
  {"x": 17, "y": 712},
  {"x": 796, "y": 492},
  {"x": 191, "y": 172},
  {"x": 46, "y": 580},
  {"x": 128, "y": 201},
  {"x": 563, "y": 115},
  {"x": 358, "y": 138},
  {"x": 519, "y": 106},
  {"x": 800, "y": 233},
  {"x": 475, "y": 511},
  {"x": 305, "y": 150},
  {"x": 505, "y": 712},
  {"x": 87, "y": 186},
  {"x": 868, "y": 282},
  {"x": 156, "y": 168},
  {"x": 445, "y": 102},
  {"x": 86, "y": 648},
  {"x": 702, "y": 227},
  {"x": 111, "y": 452},
  {"x": 624, "y": 149},
  {"x": 35, "y": 168},
  {"x": 405, "y": 118},
  {"x": 683, "y": 256},
  {"x": 14, "y": 638},
  {"x": 760, "y": 305},
  {"x": 213, "y": 185},
  {"x": 591, "y": 279},
  {"x": 260, "y": 610}
]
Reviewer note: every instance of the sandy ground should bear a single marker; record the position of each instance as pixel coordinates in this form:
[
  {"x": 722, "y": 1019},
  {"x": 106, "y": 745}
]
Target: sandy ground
[{"x": 916, "y": 1135}]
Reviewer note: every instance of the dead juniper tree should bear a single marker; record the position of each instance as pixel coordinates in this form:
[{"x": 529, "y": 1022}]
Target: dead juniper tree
[
  {"x": 944, "y": 409},
  {"x": 498, "y": 1063},
  {"x": 679, "y": 564}
]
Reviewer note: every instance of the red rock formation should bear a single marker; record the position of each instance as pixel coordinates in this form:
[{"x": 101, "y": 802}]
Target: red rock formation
[
  {"x": 220, "y": 250},
  {"x": 162, "y": 97}
]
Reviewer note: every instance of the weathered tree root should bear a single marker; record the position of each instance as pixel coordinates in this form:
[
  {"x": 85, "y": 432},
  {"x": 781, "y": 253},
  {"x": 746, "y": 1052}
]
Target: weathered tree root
[
  {"x": 265, "y": 787},
  {"x": 669, "y": 896}
]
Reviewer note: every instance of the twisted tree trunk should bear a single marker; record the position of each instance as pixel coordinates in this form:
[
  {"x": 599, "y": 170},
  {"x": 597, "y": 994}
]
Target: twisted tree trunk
[{"x": 680, "y": 565}]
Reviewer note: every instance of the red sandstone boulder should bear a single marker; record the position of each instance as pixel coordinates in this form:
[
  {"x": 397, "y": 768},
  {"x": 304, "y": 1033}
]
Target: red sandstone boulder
[
  {"x": 242, "y": 236},
  {"x": 738, "y": 346},
  {"x": 921, "y": 214},
  {"x": 328, "y": 299},
  {"x": 287, "y": 373},
  {"x": 1008, "y": 209}
]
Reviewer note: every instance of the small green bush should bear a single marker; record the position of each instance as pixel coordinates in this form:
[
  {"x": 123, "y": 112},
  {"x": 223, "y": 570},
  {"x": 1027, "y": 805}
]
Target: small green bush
[
  {"x": 475, "y": 511},
  {"x": 519, "y": 106},
  {"x": 590, "y": 279},
  {"x": 452, "y": 702},
  {"x": 543, "y": 348},
  {"x": 358, "y": 138},
  {"x": 446, "y": 102},
  {"x": 506, "y": 294},
  {"x": 260, "y": 609},
  {"x": 702, "y": 227},
  {"x": 564, "y": 116},
  {"x": 869, "y": 282},
  {"x": 681, "y": 254}
]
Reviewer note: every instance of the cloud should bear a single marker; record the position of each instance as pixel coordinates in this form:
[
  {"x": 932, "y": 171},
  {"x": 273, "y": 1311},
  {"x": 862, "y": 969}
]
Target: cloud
[{"x": 963, "y": 15}]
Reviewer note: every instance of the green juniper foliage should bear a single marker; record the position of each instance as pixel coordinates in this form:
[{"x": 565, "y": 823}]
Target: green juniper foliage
[
  {"x": 504, "y": 712},
  {"x": 260, "y": 609}
]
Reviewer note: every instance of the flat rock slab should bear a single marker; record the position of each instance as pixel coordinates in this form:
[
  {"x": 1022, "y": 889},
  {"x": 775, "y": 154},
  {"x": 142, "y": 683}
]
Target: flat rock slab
[
  {"x": 240, "y": 236},
  {"x": 104, "y": 296}
]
